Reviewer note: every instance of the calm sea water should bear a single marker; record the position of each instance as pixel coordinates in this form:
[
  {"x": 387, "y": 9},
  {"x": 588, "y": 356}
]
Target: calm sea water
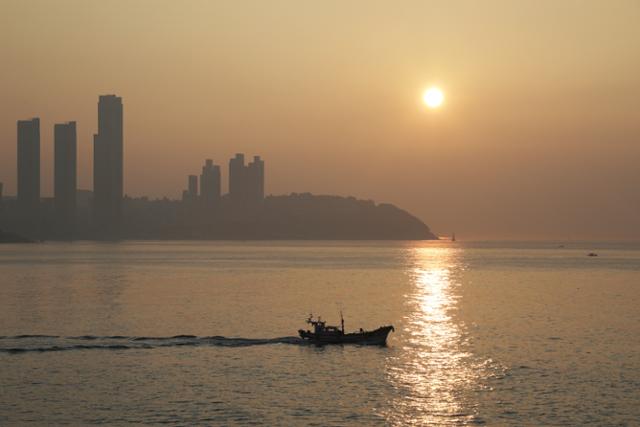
[{"x": 204, "y": 333}]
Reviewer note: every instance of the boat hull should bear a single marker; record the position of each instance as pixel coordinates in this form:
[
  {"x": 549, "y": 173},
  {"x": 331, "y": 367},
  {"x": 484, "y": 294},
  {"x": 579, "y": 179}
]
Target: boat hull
[{"x": 376, "y": 337}]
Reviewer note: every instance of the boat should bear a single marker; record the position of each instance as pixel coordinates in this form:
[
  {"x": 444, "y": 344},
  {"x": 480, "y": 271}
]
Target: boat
[
  {"x": 592, "y": 254},
  {"x": 323, "y": 334}
]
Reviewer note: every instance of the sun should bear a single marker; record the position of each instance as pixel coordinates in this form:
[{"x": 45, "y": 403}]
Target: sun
[{"x": 433, "y": 97}]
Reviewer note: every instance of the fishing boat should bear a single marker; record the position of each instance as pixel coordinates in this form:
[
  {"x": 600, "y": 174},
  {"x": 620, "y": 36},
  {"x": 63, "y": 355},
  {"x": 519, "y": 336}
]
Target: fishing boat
[{"x": 324, "y": 334}]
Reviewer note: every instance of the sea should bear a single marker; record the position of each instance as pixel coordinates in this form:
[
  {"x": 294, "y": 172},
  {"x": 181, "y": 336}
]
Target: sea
[{"x": 205, "y": 333}]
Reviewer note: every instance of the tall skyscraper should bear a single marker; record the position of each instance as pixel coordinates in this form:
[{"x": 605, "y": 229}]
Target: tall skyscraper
[
  {"x": 246, "y": 183},
  {"x": 65, "y": 181},
  {"x": 255, "y": 181},
  {"x": 29, "y": 166},
  {"x": 237, "y": 178},
  {"x": 210, "y": 183},
  {"x": 108, "y": 164}
]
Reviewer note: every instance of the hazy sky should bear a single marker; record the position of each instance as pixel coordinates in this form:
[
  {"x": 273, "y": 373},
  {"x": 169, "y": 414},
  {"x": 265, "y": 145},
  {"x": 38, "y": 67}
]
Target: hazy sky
[{"x": 539, "y": 136}]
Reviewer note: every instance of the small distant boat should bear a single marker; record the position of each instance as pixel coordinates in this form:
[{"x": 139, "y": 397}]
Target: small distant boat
[
  {"x": 592, "y": 254},
  {"x": 323, "y": 334}
]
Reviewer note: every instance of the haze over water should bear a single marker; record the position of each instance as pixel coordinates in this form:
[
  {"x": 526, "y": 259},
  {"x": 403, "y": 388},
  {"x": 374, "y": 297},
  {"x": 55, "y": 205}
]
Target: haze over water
[
  {"x": 204, "y": 333},
  {"x": 538, "y": 138}
]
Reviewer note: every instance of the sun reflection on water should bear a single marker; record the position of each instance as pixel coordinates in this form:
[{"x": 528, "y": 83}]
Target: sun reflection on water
[{"x": 433, "y": 374}]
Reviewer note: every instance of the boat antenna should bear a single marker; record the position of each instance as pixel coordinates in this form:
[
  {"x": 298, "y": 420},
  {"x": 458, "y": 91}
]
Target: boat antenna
[{"x": 341, "y": 316}]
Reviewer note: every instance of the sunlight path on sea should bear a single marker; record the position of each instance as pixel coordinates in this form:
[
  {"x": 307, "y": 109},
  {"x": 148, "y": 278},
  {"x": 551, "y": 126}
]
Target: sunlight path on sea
[{"x": 433, "y": 374}]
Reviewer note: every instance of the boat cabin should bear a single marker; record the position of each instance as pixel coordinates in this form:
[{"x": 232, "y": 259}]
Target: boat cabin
[{"x": 320, "y": 327}]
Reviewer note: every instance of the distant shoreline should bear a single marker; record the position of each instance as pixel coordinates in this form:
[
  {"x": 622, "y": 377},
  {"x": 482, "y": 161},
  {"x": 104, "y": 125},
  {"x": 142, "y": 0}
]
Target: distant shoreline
[
  {"x": 8, "y": 237},
  {"x": 290, "y": 217}
]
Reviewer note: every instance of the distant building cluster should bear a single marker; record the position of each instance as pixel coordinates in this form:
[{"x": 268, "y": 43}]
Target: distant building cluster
[
  {"x": 246, "y": 182},
  {"x": 107, "y": 169}
]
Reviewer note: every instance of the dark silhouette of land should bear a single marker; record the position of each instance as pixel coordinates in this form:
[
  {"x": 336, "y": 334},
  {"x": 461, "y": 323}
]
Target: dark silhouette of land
[{"x": 296, "y": 216}]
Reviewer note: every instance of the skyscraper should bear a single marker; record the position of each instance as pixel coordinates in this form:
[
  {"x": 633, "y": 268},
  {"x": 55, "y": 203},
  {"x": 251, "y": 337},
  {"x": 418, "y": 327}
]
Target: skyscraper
[
  {"x": 65, "y": 182},
  {"x": 255, "y": 179},
  {"x": 108, "y": 164},
  {"x": 237, "y": 178},
  {"x": 210, "y": 183},
  {"x": 246, "y": 183},
  {"x": 29, "y": 166}
]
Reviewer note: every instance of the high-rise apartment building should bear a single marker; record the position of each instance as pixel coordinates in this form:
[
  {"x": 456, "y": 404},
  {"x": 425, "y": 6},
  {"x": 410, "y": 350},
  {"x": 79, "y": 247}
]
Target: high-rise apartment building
[
  {"x": 246, "y": 183},
  {"x": 29, "y": 166},
  {"x": 210, "y": 183},
  {"x": 64, "y": 174},
  {"x": 237, "y": 177},
  {"x": 108, "y": 172},
  {"x": 255, "y": 179}
]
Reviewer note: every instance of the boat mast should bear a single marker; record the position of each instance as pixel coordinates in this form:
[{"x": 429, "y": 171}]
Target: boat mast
[{"x": 342, "y": 321}]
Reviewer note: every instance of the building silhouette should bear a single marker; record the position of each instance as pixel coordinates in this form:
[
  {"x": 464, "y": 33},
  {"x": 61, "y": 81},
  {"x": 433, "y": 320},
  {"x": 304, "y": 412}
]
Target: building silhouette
[
  {"x": 65, "y": 180},
  {"x": 210, "y": 184},
  {"x": 108, "y": 164},
  {"x": 191, "y": 193},
  {"x": 193, "y": 186},
  {"x": 106, "y": 213},
  {"x": 29, "y": 167},
  {"x": 246, "y": 183},
  {"x": 203, "y": 214},
  {"x": 237, "y": 178},
  {"x": 255, "y": 179}
]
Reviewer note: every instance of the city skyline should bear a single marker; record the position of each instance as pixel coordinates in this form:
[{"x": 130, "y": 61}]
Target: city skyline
[
  {"x": 108, "y": 156},
  {"x": 537, "y": 137},
  {"x": 105, "y": 213},
  {"x": 31, "y": 127}
]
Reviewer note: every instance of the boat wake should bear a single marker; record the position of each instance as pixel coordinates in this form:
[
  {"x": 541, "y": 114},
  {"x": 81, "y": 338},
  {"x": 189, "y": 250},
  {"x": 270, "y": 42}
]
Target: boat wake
[{"x": 19, "y": 344}]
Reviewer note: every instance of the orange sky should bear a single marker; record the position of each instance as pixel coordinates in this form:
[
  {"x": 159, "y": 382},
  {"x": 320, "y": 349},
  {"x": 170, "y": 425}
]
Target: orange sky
[{"x": 539, "y": 136}]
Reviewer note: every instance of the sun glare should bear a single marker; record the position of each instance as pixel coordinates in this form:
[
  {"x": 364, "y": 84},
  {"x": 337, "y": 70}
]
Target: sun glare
[{"x": 433, "y": 97}]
